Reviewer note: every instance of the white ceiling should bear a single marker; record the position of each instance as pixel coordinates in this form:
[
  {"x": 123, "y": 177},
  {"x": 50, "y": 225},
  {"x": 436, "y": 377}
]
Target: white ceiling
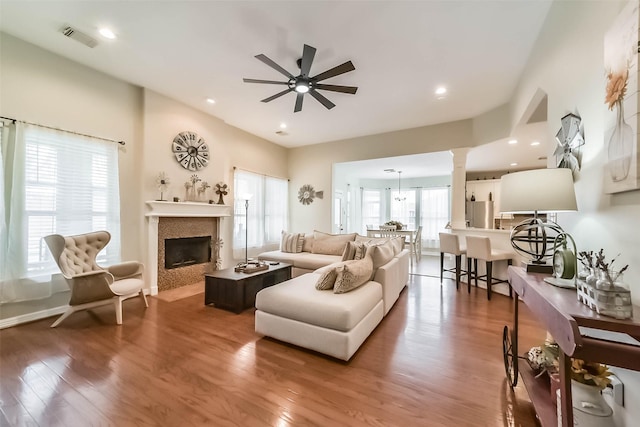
[{"x": 402, "y": 50}]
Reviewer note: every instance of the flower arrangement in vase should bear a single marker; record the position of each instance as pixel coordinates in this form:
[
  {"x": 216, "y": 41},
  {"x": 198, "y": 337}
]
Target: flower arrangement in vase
[
  {"x": 190, "y": 187},
  {"x": 600, "y": 285},
  {"x": 398, "y": 224},
  {"x": 201, "y": 190}
]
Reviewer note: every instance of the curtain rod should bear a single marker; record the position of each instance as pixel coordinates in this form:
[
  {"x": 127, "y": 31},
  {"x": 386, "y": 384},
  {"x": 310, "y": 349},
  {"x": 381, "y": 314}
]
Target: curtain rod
[
  {"x": 259, "y": 173},
  {"x": 63, "y": 130}
]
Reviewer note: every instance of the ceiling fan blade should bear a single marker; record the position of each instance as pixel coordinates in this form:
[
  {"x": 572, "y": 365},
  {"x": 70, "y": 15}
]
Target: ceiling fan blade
[
  {"x": 335, "y": 71},
  {"x": 264, "y": 81},
  {"x": 307, "y": 58},
  {"x": 299, "y": 100},
  {"x": 273, "y": 65},
  {"x": 324, "y": 101},
  {"x": 277, "y": 95},
  {"x": 344, "y": 89}
]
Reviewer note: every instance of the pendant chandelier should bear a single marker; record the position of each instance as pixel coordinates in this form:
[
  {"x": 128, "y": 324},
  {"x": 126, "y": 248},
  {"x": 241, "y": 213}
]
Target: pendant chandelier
[{"x": 400, "y": 197}]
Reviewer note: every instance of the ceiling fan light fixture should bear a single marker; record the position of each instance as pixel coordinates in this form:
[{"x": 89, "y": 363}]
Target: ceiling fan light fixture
[{"x": 302, "y": 87}]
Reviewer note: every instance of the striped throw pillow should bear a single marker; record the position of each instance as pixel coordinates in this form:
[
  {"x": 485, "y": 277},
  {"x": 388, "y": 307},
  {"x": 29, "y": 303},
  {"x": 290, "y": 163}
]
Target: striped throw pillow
[{"x": 291, "y": 242}]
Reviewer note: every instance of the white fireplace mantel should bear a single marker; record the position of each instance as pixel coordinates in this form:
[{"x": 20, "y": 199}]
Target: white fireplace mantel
[
  {"x": 156, "y": 210},
  {"x": 187, "y": 209}
]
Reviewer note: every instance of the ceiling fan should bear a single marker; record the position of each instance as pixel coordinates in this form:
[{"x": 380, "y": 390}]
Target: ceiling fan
[{"x": 303, "y": 83}]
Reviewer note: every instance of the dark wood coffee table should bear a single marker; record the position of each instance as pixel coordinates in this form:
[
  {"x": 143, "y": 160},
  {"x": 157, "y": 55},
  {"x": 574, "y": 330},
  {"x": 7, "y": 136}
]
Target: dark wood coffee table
[{"x": 237, "y": 291}]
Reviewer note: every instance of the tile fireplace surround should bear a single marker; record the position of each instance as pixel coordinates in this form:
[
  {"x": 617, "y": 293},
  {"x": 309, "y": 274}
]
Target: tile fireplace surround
[{"x": 180, "y": 216}]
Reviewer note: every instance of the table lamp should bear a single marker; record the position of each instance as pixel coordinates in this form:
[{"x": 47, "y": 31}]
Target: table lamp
[{"x": 537, "y": 191}]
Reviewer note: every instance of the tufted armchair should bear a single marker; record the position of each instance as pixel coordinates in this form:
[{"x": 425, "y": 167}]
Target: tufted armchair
[{"x": 91, "y": 285}]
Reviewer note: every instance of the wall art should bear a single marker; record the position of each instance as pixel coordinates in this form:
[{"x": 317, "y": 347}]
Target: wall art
[{"x": 622, "y": 170}]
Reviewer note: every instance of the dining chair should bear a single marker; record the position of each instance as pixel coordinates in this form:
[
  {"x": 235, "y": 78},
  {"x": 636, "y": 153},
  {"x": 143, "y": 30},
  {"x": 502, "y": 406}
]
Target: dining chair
[
  {"x": 415, "y": 244},
  {"x": 388, "y": 231}
]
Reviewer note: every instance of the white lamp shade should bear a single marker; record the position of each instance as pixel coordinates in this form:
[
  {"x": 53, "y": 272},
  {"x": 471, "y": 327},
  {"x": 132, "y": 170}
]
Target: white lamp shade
[{"x": 541, "y": 190}]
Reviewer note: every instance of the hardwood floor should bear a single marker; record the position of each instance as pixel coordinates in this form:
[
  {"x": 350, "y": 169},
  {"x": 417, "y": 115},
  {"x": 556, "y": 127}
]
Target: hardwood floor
[{"x": 435, "y": 360}]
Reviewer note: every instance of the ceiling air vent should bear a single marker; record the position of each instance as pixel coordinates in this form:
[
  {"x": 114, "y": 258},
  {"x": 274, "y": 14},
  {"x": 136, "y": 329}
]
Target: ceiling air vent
[{"x": 79, "y": 36}]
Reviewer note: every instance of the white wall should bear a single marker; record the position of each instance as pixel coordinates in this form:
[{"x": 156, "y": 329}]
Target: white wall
[
  {"x": 229, "y": 147},
  {"x": 41, "y": 87},
  {"x": 44, "y": 88},
  {"x": 313, "y": 164},
  {"x": 567, "y": 64}
]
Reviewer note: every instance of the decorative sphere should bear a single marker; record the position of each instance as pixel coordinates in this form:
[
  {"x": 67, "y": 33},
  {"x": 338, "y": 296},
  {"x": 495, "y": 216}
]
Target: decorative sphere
[{"x": 533, "y": 238}]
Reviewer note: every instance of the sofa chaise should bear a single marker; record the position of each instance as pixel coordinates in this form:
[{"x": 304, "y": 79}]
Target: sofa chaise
[{"x": 332, "y": 323}]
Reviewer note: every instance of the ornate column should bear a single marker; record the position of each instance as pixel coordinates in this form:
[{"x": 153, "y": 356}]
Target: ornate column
[{"x": 458, "y": 183}]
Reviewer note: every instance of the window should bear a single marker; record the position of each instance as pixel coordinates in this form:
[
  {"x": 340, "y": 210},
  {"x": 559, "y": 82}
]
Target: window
[
  {"x": 371, "y": 208},
  {"x": 434, "y": 214},
  {"x": 262, "y": 220},
  {"x": 62, "y": 183}
]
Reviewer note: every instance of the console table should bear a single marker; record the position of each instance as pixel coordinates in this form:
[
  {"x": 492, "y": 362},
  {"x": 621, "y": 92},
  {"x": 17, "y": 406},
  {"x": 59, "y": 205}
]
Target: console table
[
  {"x": 237, "y": 291},
  {"x": 573, "y": 325}
]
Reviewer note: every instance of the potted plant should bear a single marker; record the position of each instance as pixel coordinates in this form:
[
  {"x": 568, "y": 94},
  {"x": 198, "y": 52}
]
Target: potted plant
[{"x": 588, "y": 379}]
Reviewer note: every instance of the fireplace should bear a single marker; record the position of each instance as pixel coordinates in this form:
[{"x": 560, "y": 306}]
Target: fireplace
[
  {"x": 186, "y": 251},
  {"x": 169, "y": 222}
]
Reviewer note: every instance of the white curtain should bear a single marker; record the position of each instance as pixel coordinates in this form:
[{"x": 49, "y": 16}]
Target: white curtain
[
  {"x": 434, "y": 215},
  {"x": 266, "y": 217},
  {"x": 372, "y": 209},
  {"x": 54, "y": 182}
]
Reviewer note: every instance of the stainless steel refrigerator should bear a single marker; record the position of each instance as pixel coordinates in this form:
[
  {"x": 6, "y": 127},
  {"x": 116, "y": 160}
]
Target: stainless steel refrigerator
[{"x": 480, "y": 214}]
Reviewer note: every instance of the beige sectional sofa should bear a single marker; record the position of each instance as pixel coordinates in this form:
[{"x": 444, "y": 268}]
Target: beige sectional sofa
[
  {"x": 335, "y": 324},
  {"x": 312, "y": 256}
]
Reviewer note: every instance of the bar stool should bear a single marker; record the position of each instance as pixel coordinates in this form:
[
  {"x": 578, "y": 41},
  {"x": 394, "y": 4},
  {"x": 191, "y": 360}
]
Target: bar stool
[
  {"x": 450, "y": 244},
  {"x": 479, "y": 247}
]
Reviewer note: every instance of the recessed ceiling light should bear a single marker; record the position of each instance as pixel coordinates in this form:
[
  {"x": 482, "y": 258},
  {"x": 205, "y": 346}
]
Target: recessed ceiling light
[
  {"x": 283, "y": 125},
  {"x": 534, "y": 143},
  {"x": 107, "y": 33},
  {"x": 211, "y": 101},
  {"x": 441, "y": 90},
  {"x": 513, "y": 141},
  {"x": 514, "y": 164}
]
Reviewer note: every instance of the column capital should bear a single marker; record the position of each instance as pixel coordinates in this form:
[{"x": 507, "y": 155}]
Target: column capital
[{"x": 459, "y": 156}]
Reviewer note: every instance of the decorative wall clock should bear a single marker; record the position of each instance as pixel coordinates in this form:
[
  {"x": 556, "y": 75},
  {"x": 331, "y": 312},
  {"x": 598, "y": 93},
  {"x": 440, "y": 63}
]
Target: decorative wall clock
[{"x": 191, "y": 151}]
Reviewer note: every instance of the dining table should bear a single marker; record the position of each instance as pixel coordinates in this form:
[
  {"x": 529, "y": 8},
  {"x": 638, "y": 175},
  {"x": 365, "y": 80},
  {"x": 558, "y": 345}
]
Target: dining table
[{"x": 408, "y": 235}]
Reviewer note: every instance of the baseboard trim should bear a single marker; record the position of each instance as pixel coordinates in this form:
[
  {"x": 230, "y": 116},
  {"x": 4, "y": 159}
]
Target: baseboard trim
[{"x": 30, "y": 317}]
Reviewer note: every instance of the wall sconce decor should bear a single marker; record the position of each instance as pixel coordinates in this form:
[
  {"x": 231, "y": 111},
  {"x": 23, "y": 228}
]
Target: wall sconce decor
[
  {"x": 306, "y": 194},
  {"x": 568, "y": 140}
]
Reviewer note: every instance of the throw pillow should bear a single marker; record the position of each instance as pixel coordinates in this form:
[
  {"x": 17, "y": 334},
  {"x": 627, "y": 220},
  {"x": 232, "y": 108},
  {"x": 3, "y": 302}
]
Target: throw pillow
[
  {"x": 327, "y": 279},
  {"x": 349, "y": 251},
  {"x": 398, "y": 244},
  {"x": 361, "y": 249},
  {"x": 330, "y": 244},
  {"x": 382, "y": 254},
  {"x": 307, "y": 246},
  {"x": 291, "y": 242},
  {"x": 353, "y": 274}
]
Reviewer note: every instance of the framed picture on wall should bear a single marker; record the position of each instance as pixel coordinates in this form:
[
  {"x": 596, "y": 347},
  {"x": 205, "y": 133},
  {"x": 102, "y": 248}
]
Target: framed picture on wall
[{"x": 622, "y": 169}]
